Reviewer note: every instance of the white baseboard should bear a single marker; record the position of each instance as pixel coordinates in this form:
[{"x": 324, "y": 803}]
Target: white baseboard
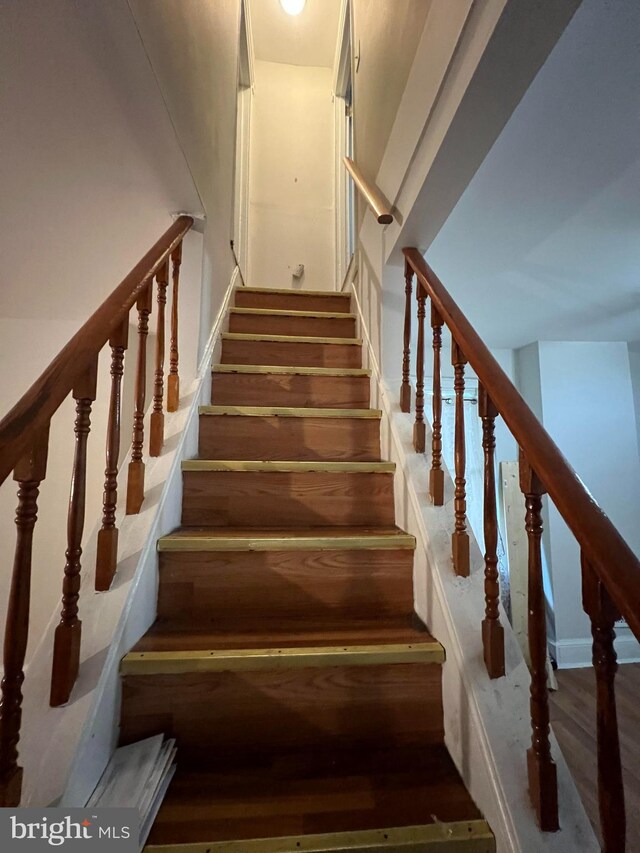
[{"x": 572, "y": 654}]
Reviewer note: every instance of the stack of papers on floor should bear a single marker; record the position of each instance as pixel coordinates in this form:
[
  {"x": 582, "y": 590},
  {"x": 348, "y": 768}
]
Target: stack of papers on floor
[{"x": 137, "y": 776}]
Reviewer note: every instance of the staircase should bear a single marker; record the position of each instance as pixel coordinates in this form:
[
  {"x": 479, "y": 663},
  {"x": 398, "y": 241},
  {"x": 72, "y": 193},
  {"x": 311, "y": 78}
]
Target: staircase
[{"x": 304, "y": 693}]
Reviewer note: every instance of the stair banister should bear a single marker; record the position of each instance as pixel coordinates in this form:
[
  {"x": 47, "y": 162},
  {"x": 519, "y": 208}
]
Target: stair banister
[
  {"x": 24, "y": 445},
  {"x": 611, "y": 571},
  {"x": 370, "y": 193}
]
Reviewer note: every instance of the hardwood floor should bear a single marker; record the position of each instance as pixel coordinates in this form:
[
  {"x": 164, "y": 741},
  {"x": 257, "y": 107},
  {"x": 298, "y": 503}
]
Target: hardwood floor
[{"x": 573, "y": 717}]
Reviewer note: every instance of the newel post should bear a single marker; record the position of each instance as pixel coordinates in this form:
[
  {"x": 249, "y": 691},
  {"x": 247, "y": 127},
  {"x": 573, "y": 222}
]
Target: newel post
[
  {"x": 543, "y": 783},
  {"x": 29, "y": 473},
  {"x": 405, "y": 388}
]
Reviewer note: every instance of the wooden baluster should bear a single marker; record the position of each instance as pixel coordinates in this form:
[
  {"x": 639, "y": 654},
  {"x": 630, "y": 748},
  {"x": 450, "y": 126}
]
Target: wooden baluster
[
  {"x": 405, "y": 388},
  {"x": 173, "y": 381},
  {"x": 28, "y": 473},
  {"x": 107, "y": 546},
  {"x": 603, "y": 615},
  {"x": 156, "y": 427},
  {"x": 436, "y": 475},
  {"x": 66, "y": 646},
  {"x": 543, "y": 785},
  {"x": 419, "y": 432},
  {"x": 135, "y": 474},
  {"x": 460, "y": 537},
  {"x": 492, "y": 630}
]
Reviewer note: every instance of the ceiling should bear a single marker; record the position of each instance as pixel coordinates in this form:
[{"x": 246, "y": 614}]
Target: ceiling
[
  {"x": 544, "y": 244},
  {"x": 309, "y": 38}
]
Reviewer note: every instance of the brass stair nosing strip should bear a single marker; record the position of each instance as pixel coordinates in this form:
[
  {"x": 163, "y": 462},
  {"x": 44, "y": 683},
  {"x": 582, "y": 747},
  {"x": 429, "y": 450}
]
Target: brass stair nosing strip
[
  {"x": 289, "y": 466},
  {"x": 290, "y": 412},
  {"x": 288, "y": 312},
  {"x": 285, "y": 370},
  {"x": 381, "y": 542},
  {"x": 287, "y": 292},
  {"x": 291, "y": 339},
  {"x": 465, "y": 836},
  {"x": 392, "y": 542},
  {"x": 246, "y": 660}
]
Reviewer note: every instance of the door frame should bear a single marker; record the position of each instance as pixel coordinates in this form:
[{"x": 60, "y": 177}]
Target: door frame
[
  {"x": 240, "y": 225},
  {"x": 343, "y": 76}
]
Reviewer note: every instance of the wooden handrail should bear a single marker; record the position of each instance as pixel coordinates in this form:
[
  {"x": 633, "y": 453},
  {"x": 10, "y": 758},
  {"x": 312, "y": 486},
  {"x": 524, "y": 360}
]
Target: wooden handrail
[
  {"x": 607, "y": 552},
  {"x": 24, "y": 445},
  {"x": 370, "y": 193},
  {"x": 35, "y": 409}
]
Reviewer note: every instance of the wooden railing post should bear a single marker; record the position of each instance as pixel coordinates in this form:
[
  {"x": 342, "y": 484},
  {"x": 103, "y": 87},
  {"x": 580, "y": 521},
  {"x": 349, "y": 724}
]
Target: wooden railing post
[
  {"x": 460, "y": 537},
  {"x": 543, "y": 784},
  {"x": 436, "y": 475},
  {"x": 419, "y": 432},
  {"x": 173, "y": 381},
  {"x": 156, "y": 426},
  {"x": 66, "y": 646},
  {"x": 603, "y": 615},
  {"x": 107, "y": 546},
  {"x": 135, "y": 478},
  {"x": 492, "y": 630},
  {"x": 405, "y": 388},
  {"x": 29, "y": 473}
]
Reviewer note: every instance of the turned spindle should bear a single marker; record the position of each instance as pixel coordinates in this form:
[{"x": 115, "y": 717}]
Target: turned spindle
[
  {"x": 603, "y": 614},
  {"x": 436, "y": 474},
  {"x": 135, "y": 473},
  {"x": 541, "y": 768},
  {"x": 66, "y": 646},
  {"x": 29, "y": 473},
  {"x": 419, "y": 431},
  {"x": 405, "y": 388},
  {"x": 156, "y": 425},
  {"x": 107, "y": 546},
  {"x": 492, "y": 630},
  {"x": 173, "y": 380},
  {"x": 459, "y": 537}
]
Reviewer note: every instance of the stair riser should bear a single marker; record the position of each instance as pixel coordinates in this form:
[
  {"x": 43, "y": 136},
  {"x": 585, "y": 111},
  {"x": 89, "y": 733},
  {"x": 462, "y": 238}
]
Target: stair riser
[
  {"x": 270, "y": 324},
  {"x": 329, "y": 392},
  {"x": 229, "y": 718},
  {"x": 287, "y": 499},
  {"x": 199, "y": 589},
  {"x": 292, "y": 301},
  {"x": 285, "y": 438},
  {"x": 292, "y": 354}
]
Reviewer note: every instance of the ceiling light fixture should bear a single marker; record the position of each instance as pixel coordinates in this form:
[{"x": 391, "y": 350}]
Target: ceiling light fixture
[{"x": 293, "y": 7}]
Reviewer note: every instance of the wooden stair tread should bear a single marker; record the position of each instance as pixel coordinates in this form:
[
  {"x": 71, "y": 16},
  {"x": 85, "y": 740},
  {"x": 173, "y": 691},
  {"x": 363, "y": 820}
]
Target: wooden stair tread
[
  {"x": 302, "y": 795},
  {"x": 290, "y": 312},
  {"x": 289, "y": 466},
  {"x": 290, "y": 633},
  {"x": 289, "y": 412},
  {"x": 290, "y": 339},
  {"x": 285, "y": 369},
  {"x": 289, "y": 539},
  {"x": 332, "y": 294}
]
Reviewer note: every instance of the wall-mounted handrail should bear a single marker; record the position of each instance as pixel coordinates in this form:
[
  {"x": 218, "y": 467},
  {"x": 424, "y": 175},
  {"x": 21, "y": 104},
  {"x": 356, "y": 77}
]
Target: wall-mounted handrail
[
  {"x": 24, "y": 446},
  {"x": 370, "y": 193},
  {"x": 610, "y": 569}
]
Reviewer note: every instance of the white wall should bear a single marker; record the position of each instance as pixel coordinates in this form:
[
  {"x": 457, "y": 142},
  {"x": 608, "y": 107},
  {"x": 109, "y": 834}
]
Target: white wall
[
  {"x": 585, "y": 396},
  {"x": 634, "y": 366},
  {"x": 91, "y": 171},
  {"x": 291, "y": 180}
]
